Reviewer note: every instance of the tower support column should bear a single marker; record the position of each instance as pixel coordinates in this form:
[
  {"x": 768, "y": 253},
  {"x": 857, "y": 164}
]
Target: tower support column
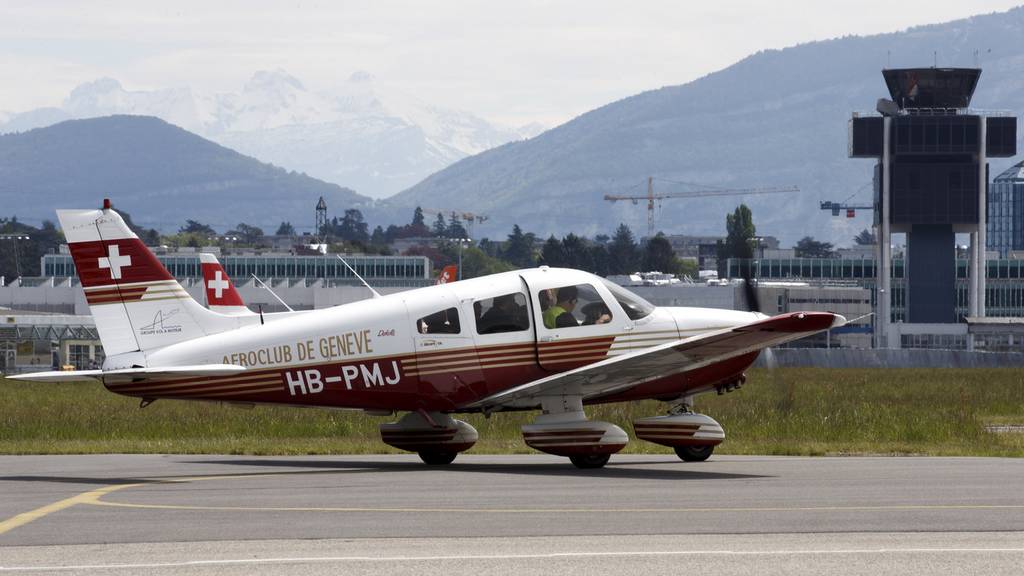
[
  {"x": 982, "y": 213},
  {"x": 884, "y": 292}
]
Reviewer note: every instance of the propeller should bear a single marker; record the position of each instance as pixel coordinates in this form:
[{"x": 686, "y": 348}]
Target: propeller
[
  {"x": 753, "y": 304},
  {"x": 750, "y": 290}
]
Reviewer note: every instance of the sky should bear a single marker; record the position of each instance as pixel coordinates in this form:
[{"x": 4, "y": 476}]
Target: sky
[{"x": 514, "y": 62}]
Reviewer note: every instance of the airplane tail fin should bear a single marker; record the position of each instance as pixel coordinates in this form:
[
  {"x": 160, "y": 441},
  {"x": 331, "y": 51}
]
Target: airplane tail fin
[
  {"x": 221, "y": 295},
  {"x": 448, "y": 274},
  {"x": 136, "y": 303}
]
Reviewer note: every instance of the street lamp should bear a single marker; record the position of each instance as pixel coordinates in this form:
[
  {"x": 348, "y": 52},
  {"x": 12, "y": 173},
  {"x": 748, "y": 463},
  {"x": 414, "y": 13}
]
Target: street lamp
[
  {"x": 461, "y": 241},
  {"x": 17, "y": 256}
]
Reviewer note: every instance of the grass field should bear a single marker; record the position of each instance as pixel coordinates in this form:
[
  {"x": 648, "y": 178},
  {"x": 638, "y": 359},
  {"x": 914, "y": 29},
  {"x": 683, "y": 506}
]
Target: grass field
[{"x": 804, "y": 411}]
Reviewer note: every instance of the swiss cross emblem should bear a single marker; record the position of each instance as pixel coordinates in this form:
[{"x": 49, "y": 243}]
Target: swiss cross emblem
[
  {"x": 218, "y": 284},
  {"x": 115, "y": 261}
]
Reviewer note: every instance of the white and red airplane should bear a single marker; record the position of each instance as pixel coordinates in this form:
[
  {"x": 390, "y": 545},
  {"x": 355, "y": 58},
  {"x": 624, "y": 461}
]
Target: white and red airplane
[{"x": 543, "y": 338}]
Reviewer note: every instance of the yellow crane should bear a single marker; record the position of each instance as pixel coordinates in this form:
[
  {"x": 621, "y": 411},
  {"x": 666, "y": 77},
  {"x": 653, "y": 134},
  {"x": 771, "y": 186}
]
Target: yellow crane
[
  {"x": 466, "y": 217},
  {"x": 650, "y": 197}
]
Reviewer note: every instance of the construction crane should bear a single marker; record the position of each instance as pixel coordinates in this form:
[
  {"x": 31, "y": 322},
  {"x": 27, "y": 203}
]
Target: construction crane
[
  {"x": 468, "y": 217},
  {"x": 851, "y": 209},
  {"x": 650, "y": 197}
]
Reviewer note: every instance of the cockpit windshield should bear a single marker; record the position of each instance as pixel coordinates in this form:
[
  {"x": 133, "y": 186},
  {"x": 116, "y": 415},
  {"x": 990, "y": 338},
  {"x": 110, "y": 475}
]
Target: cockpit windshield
[{"x": 634, "y": 306}]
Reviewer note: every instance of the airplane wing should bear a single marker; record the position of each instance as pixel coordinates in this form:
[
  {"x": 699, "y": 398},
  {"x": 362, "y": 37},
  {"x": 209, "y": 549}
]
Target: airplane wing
[
  {"x": 628, "y": 370},
  {"x": 155, "y": 373}
]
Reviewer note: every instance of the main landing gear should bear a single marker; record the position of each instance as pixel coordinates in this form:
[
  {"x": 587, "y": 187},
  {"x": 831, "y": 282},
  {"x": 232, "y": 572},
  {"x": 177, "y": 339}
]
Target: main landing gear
[
  {"x": 437, "y": 438},
  {"x": 562, "y": 429},
  {"x": 693, "y": 436}
]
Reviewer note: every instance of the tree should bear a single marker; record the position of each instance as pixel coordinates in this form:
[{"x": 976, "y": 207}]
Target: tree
[
  {"x": 576, "y": 253},
  {"x": 378, "y": 238},
  {"x": 418, "y": 226},
  {"x": 739, "y": 233},
  {"x": 600, "y": 260},
  {"x": 249, "y": 235},
  {"x": 488, "y": 247},
  {"x": 456, "y": 229},
  {"x": 865, "y": 238},
  {"x": 519, "y": 249},
  {"x": 658, "y": 255},
  {"x": 197, "y": 228},
  {"x": 353, "y": 228},
  {"x": 285, "y": 229},
  {"x": 622, "y": 252},
  {"x": 552, "y": 253},
  {"x": 440, "y": 229},
  {"x": 808, "y": 247}
]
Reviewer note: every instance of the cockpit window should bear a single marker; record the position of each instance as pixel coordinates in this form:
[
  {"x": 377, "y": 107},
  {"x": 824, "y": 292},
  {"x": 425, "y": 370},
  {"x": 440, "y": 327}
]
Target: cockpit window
[
  {"x": 443, "y": 322},
  {"x": 573, "y": 306},
  {"x": 634, "y": 306}
]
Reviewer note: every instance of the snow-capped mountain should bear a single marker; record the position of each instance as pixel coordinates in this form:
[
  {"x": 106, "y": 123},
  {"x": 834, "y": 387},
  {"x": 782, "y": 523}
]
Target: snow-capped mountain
[{"x": 375, "y": 140}]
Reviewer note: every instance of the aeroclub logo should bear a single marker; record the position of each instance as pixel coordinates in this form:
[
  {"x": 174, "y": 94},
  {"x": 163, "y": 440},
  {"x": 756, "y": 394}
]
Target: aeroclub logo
[{"x": 161, "y": 323}]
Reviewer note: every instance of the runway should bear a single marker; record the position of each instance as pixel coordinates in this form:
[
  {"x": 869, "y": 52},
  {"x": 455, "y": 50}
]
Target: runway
[{"x": 528, "y": 514}]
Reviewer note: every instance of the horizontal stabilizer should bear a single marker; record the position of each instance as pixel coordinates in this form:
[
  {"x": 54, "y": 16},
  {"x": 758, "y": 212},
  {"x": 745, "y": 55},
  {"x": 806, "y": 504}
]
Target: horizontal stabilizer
[
  {"x": 153, "y": 373},
  {"x": 57, "y": 376}
]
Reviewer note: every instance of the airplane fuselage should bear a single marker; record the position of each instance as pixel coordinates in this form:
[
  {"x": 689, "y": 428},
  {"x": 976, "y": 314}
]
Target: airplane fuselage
[{"x": 437, "y": 348}]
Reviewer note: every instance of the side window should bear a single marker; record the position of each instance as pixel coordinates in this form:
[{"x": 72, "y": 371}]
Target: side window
[
  {"x": 634, "y": 306},
  {"x": 443, "y": 322},
  {"x": 572, "y": 306},
  {"x": 505, "y": 313}
]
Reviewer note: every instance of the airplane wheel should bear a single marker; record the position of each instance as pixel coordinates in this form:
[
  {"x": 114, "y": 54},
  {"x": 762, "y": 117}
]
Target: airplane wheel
[
  {"x": 694, "y": 453},
  {"x": 438, "y": 458},
  {"x": 590, "y": 461}
]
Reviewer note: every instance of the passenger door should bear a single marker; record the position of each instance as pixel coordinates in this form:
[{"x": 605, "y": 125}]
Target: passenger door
[
  {"x": 446, "y": 360},
  {"x": 504, "y": 334}
]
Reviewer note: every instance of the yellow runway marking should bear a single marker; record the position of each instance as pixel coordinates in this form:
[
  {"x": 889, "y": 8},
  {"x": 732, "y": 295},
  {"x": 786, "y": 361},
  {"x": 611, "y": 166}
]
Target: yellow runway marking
[
  {"x": 83, "y": 498},
  {"x": 93, "y": 496}
]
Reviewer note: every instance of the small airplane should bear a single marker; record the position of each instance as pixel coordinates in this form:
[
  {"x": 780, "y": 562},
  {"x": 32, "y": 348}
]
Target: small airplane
[{"x": 543, "y": 338}]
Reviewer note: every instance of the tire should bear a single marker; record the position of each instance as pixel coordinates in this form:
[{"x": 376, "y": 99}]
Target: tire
[
  {"x": 438, "y": 458},
  {"x": 694, "y": 453},
  {"x": 589, "y": 461}
]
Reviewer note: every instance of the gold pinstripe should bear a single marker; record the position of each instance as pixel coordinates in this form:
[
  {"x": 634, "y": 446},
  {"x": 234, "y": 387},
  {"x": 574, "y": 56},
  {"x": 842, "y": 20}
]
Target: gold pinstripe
[{"x": 172, "y": 387}]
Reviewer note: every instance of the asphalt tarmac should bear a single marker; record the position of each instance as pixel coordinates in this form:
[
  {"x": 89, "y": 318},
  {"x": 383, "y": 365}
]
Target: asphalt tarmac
[{"x": 534, "y": 514}]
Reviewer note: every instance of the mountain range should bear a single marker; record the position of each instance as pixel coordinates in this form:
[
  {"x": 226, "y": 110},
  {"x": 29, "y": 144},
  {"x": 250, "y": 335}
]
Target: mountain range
[
  {"x": 775, "y": 118},
  {"x": 159, "y": 173},
  {"x": 361, "y": 136}
]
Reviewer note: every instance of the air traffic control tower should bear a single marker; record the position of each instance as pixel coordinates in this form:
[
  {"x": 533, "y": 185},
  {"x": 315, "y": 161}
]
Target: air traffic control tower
[{"x": 931, "y": 181}]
